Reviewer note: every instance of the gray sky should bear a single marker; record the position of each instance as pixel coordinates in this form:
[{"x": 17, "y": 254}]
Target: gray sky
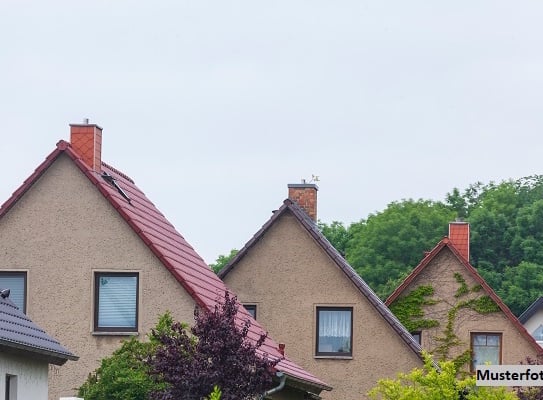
[{"x": 213, "y": 107}]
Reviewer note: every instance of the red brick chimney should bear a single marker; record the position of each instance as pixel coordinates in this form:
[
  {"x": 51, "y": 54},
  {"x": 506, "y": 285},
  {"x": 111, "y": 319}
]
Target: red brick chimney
[
  {"x": 459, "y": 237},
  {"x": 86, "y": 140},
  {"x": 305, "y": 195}
]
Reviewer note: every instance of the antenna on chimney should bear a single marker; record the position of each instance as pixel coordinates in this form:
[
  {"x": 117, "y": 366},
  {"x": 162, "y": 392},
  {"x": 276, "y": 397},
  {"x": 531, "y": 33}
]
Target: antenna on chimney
[
  {"x": 314, "y": 178},
  {"x": 86, "y": 121}
]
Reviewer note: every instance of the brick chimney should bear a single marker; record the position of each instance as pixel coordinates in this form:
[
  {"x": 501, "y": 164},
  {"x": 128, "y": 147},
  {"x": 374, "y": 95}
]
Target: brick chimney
[
  {"x": 86, "y": 140},
  {"x": 459, "y": 237},
  {"x": 305, "y": 195}
]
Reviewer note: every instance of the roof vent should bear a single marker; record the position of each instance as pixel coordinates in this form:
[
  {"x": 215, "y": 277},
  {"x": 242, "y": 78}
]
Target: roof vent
[{"x": 4, "y": 293}]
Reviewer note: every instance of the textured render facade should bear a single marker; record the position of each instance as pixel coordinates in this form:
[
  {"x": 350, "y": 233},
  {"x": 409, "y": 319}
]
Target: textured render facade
[
  {"x": 289, "y": 270},
  {"x": 66, "y": 224},
  {"x": 441, "y": 269}
]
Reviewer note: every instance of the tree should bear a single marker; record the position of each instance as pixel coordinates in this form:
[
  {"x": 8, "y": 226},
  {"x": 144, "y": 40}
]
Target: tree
[
  {"x": 337, "y": 234},
  {"x": 430, "y": 383},
  {"x": 124, "y": 375},
  {"x": 385, "y": 247},
  {"x": 214, "y": 353},
  {"x": 222, "y": 260}
]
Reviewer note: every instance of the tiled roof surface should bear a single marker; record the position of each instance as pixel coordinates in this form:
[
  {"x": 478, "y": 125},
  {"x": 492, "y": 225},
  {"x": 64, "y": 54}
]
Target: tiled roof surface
[
  {"x": 365, "y": 290},
  {"x": 18, "y": 332},
  {"x": 169, "y": 246},
  {"x": 446, "y": 243}
]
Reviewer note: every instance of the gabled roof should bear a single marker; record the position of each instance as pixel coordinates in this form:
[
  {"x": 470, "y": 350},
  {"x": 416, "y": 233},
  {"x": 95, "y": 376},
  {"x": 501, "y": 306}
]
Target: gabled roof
[
  {"x": 19, "y": 335},
  {"x": 447, "y": 243},
  {"x": 350, "y": 273},
  {"x": 531, "y": 310},
  {"x": 168, "y": 245}
]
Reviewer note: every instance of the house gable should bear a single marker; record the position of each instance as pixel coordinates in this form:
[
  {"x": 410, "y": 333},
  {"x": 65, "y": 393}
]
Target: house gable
[
  {"x": 110, "y": 222},
  {"x": 456, "y": 284},
  {"x": 288, "y": 269}
]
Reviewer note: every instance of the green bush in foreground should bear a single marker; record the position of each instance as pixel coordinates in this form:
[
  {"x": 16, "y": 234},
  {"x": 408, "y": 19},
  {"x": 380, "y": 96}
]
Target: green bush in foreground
[{"x": 429, "y": 383}]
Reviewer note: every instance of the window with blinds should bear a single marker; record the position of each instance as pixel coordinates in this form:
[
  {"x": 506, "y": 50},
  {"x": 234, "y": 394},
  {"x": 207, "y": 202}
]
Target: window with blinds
[
  {"x": 15, "y": 281},
  {"x": 116, "y": 302}
]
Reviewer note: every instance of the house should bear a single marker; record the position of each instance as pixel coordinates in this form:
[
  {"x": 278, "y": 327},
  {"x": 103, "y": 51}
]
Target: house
[
  {"x": 82, "y": 233},
  {"x": 312, "y": 300},
  {"x": 532, "y": 320},
  {"x": 26, "y": 351},
  {"x": 454, "y": 313}
]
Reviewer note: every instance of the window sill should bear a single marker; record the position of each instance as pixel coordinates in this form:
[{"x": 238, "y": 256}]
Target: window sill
[
  {"x": 100, "y": 333},
  {"x": 334, "y": 357}
]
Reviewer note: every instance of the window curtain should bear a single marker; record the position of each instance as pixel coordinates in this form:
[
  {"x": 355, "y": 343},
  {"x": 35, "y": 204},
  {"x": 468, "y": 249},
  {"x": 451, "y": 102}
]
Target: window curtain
[
  {"x": 117, "y": 301},
  {"x": 486, "y": 349},
  {"x": 335, "y": 331}
]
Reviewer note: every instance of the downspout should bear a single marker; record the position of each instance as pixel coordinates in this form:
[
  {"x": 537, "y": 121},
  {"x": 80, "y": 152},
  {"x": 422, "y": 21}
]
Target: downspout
[{"x": 282, "y": 379}]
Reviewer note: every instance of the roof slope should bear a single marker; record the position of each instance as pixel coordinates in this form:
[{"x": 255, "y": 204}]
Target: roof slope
[
  {"x": 531, "y": 310},
  {"x": 168, "y": 245},
  {"x": 19, "y": 334},
  {"x": 350, "y": 273},
  {"x": 447, "y": 243}
]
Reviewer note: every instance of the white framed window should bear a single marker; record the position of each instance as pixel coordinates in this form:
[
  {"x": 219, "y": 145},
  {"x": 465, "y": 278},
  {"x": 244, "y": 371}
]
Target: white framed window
[
  {"x": 334, "y": 336},
  {"x": 15, "y": 281},
  {"x": 486, "y": 348},
  {"x": 116, "y": 301}
]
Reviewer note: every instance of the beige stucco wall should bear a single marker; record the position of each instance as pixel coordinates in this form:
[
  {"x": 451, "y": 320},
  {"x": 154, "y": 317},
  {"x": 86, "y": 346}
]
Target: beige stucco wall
[
  {"x": 62, "y": 231},
  {"x": 440, "y": 275},
  {"x": 31, "y": 376},
  {"x": 287, "y": 274}
]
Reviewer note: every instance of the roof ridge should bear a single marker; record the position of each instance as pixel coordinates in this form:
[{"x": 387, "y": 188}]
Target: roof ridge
[{"x": 122, "y": 174}]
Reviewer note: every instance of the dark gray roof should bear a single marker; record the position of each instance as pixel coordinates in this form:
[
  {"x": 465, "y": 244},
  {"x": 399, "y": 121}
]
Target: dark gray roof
[
  {"x": 531, "y": 310},
  {"x": 313, "y": 230},
  {"x": 19, "y": 335}
]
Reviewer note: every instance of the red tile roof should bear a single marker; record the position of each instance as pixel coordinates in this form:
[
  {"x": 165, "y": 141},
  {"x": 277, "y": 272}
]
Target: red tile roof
[
  {"x": 447, "y": 243},
  {"x": 170, "y": 248},
  {"x": 339, "y": 260}
]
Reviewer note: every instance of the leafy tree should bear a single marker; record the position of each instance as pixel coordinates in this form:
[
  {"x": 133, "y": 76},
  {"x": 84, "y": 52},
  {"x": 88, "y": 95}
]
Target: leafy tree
[
  {"x": 222, "y": 260},
  {"x": 124, "y": 375},
  {"x": 337, "y": 234},
  {"x": 531, "y": 392},
  {"x": 385, "y": 247},
  {"x": 429, "y": 383},
  {"x": 216, "y": 354}
]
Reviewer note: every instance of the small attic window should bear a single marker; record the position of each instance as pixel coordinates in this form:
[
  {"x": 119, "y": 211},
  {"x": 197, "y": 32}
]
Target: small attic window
[{"x": 113, "y": 182}]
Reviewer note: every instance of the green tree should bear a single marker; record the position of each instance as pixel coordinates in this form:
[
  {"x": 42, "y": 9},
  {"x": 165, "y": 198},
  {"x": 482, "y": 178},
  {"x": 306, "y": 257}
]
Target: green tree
[
  {"x": 430, "y": 383},
  {"x": 385, "y": 247},
  {"x": 222, "y": 260},
  {"x": 337, "y": 234},
  {"x": 124, "y": 375}
]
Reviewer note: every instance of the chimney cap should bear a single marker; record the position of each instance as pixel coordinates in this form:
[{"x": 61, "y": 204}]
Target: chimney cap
[{"x": 302, "y": 186}]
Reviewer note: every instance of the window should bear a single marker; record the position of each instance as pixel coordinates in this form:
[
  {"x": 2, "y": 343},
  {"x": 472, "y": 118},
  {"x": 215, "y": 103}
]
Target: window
[
  {"x": 417, "y": 336},
  {"x": 486, "y": 348},
  {"x": 11, "y": 387},
  {"x": 334, "y": 331},
  {"x": 116, "y": 302},
  {"x": 16, "y": 283},
  {"x": 251, "y": 309}
]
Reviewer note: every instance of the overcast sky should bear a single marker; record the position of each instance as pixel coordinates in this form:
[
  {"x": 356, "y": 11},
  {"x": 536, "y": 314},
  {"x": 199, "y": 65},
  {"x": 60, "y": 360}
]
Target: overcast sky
[{"x": 213, "y": 107}]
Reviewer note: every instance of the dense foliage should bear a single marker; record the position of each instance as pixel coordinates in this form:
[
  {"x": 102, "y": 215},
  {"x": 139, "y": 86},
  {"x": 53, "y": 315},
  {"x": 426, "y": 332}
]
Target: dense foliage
[
  {"x": 506, "y": 222},
  {"x": 124, "y": 375},
  {"x": 222, "y": 260},
  {"x": 213, "y": 353},
  {"x": 430, "y": 383}
]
